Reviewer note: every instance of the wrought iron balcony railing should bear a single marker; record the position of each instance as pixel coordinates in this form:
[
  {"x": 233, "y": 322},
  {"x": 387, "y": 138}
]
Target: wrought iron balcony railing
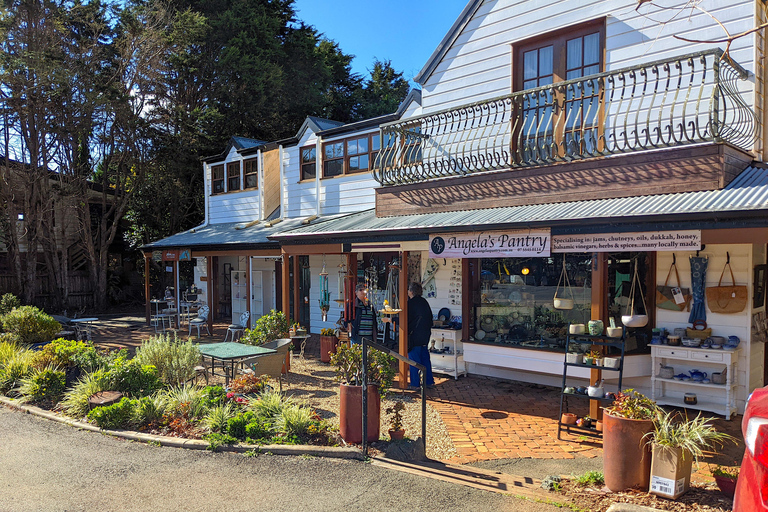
[{"x": 689, "y": 99}]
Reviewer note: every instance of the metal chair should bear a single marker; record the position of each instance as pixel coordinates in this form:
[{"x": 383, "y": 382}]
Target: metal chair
[
  {"x": 238, "y": 329},
  {"x": 268, "y": 364},
  {"x": 201, "y": 320}
]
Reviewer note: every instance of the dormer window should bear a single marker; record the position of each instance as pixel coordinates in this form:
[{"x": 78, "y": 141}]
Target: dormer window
[
  {"x": 308, "y": 163},
  {"x": 217, "y": 172},
  {"x": 233, "y": 176},
  {"x": 251, "y": 168}
]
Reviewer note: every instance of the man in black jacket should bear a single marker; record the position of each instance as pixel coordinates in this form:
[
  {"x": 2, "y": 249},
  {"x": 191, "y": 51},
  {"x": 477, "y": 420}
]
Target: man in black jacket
[{"x": 419, "y": 333}]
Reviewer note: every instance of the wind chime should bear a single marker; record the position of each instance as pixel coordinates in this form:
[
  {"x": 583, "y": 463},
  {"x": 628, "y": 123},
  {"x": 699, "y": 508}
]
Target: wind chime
[
  {"x": 392, "y": 298},
  {"x": 325, "y": 294}
]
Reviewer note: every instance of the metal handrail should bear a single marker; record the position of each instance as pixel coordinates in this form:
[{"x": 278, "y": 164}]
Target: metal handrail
[
  {"x": 422, "y": 378},
  {"x": 684, "y": 100}
]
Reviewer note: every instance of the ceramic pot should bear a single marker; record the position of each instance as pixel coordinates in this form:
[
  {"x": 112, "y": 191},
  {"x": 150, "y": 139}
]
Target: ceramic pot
[
  {"x": 396, "y": 435},
  {"x": 351, "y": 413},
  {"x": 595, "y": 327},
  {"x": 635, "y": 320},
  {"x": 576, "y": 329},
  {"x": 328, "y": 346},
  {"x": 626, "y": 455},
  {"x": 726, "y": 485},
  {"x": 614, "y": 332},
  {"x": 563, "y": 303},
  {"x": 573, "y": 358},
  {"x": 568, "y": 418},
  {"x": 599, "y": 426}
]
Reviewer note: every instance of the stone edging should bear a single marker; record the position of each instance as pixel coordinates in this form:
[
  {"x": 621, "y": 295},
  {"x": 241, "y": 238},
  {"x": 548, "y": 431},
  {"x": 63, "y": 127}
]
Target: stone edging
[{"x": 193, "y": 444}]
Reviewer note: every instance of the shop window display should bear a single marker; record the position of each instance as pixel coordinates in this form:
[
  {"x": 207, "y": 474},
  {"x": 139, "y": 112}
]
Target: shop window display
[
  {"x": 514, "y": 300},
  {"x": 620, "y": 271}
]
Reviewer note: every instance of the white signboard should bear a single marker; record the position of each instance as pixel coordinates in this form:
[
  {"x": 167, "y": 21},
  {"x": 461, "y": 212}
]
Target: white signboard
[
  {"x": 649, "y": 241},
  {"x": 490, "y": 244}
]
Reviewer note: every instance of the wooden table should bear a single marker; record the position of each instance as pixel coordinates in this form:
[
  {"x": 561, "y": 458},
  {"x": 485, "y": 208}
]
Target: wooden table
[{"x": 230, "y": 354}]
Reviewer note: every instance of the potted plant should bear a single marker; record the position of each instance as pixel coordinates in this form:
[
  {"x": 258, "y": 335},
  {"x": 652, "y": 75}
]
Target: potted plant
[
  {"x": 726, "y": 478},
  {"x": 328, "y": 344},
  {"x": 676, "y": 442},
  {"x": 349, "y": 371},
  {"x": 396, "y": 431},
  {"x": 626, "y": 455}
]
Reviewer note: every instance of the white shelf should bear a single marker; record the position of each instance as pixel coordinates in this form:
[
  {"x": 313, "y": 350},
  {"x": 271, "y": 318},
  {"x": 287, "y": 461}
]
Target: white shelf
[
  {"x": 671, "y": 391},
  {"x": 452, "y": 363}
]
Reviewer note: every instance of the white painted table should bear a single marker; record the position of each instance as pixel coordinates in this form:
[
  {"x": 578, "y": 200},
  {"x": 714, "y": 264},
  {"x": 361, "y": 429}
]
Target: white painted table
[
  {"x": 718, "y": 398},
  {"x": 84, "y": 325}
]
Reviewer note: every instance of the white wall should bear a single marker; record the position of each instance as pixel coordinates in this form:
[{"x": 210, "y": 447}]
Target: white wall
[
  {"x": 722, "y": 325},
  {"x": 477, "y": 66}
]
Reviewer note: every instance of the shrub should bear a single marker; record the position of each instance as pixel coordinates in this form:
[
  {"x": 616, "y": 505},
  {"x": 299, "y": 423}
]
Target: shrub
[
  {"x": 8, "y": 302},
  {"x": 249, "y": 383},
  {"x": 17, "y": 367},
  {"x": 30, "y": 324},
  {"x": 269, "y": 406},
  {"x": 296, "y": 419},
  {"x": 236, "y": 425},
  {"x": 8, "y": 349},
  {"x": 75, "y": 401},
  {"x": 9, "y": 337},
  {"x": 113, "y": 416},
  {"x": 349, "y": 366},
  {"x": 256, "y": 431},
  {"x": 218, "y": 416},
  {"x": 43, "y": 385},
  {"x": 133, "y": 378},
  {"x": 148, "y": 409},
  {"x": 186, "y": 399},
  {"x": 211, "y": 396},
  {"x": 269, "y": 327},
  {"x": 63, "y": 353},
  {"x": 175, "y": 360}
]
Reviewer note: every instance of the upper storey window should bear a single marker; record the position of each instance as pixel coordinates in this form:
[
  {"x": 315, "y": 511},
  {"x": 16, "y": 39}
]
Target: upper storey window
[
  {"x": 350, "y": 156},
  {"x": 217, "y": 173},
  {"x": 233, "y": 176},
  {"x": 251, "y": 168},
  {"x": 308, "y": 163}
]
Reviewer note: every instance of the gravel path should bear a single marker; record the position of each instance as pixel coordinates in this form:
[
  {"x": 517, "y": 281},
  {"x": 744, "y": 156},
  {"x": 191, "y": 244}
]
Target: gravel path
[{"x": 314, "y": 382}]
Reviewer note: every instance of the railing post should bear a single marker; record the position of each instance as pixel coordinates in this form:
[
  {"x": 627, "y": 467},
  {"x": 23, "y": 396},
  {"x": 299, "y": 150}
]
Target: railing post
[{"x": 365, "y": 396}]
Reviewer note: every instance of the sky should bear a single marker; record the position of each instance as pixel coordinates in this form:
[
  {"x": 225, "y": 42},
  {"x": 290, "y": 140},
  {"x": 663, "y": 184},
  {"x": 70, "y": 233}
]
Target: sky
[{"x": 403, "y": 31}]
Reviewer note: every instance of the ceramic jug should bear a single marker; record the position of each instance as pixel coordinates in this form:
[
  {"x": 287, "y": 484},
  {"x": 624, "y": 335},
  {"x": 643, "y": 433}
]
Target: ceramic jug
[{"x": 697, "y": 375}]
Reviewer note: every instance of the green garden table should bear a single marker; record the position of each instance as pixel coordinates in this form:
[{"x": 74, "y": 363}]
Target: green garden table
[{"x": 230, "y": 354}]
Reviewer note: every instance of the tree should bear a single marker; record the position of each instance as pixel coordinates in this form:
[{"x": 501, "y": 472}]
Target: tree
[{"x": 384, "y": 90}]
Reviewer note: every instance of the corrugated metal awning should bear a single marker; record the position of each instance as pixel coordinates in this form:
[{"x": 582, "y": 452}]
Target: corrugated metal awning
[{"x": 747, "y": 193}]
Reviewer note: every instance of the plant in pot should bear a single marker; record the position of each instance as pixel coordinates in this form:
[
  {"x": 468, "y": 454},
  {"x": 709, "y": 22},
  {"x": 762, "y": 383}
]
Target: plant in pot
[
  {"x": 395, "y": 412},
  {"x": 626, "y": 455},
  {"x": 726, "y": 478},
  {"x": 328, "y": 344},
  {"x": 676, "y": 442},
  {"x": 348, "y": 362}
]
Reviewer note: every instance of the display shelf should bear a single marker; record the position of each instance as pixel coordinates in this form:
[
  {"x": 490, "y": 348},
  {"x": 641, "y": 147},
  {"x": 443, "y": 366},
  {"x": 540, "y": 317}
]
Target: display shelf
[
  {"x": 451, "y": 363},
  {"x": 671, "y": 391},
  {"x": 588, "y": 339}
]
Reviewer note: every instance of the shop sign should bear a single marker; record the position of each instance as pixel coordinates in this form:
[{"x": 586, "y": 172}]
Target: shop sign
[
  {"x": 170, "y": 255},
  {"x": 490, "y": 244},
  {"x": 650, "y": 241},
  {"x": 185, "y": 255}
]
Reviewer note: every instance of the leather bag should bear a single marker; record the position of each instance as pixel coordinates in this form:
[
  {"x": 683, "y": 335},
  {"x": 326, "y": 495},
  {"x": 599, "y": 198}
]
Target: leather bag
[
  {"x": 727, "y": 299},
  {"x": 665, "y": 298}
]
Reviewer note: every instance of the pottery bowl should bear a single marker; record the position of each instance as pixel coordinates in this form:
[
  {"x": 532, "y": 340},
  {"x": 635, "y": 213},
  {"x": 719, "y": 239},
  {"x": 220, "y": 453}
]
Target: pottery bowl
[
  {"x": 635, "y": 320},
  {"x": 577, "y": 329},
  {"x": 614, "y": 332},
  {"x": 563, "y": 303}
]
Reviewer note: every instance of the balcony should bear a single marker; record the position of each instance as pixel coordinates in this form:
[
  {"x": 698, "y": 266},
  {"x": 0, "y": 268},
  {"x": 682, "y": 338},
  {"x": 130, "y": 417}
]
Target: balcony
[{"x": 672, "y": 103}]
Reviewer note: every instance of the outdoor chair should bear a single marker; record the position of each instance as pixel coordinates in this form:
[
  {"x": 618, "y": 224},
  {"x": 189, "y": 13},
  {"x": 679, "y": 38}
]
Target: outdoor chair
[
  {"x": 238, "y": 329},
  {"x": 268, "y": 364},
  {"x": 201, "y": 320}
]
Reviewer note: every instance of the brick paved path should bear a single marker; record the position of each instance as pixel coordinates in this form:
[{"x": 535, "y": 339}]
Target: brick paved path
[{"x": 493, "y": 419}]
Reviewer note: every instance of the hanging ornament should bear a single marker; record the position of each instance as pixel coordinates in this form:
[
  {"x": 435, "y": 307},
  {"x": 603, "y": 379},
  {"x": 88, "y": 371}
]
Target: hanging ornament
[
  {"x": 325, "y": 294},
  {"x": 391, "y": 297},
  {"x": 340, "y": 284}
]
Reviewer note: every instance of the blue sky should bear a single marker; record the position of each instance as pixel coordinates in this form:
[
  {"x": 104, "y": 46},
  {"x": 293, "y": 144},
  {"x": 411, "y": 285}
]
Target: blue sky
[{"x": 403, "y": 31}]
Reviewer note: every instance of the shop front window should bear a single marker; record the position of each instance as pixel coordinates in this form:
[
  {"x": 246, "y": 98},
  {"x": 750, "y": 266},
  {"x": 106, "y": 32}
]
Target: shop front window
[
  {"x": 621, "y": 267},
  {"x": 514, "y": 300}
]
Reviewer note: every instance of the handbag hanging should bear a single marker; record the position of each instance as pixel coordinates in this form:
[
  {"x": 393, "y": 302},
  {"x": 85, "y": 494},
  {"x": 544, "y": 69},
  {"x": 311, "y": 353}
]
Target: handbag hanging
[
  {"x": 631, "y": 319},
  {"x": 562, "y": 302},
  {"x": 727, "y": 299},
  {"x": 673, "y": 298}
]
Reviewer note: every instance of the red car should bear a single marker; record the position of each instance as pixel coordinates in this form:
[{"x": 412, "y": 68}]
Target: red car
[{"x": 752, "y": 487}]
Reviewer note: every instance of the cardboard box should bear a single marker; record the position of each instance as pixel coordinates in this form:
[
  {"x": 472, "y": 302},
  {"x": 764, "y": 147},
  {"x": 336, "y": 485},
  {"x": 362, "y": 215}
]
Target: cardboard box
[{"x": 670, "y": 472}]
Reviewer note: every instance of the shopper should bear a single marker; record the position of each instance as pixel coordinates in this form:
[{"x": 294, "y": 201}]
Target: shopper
[
  {"x": 364, "y": 323},
  {"x": 419, "y": 333}
]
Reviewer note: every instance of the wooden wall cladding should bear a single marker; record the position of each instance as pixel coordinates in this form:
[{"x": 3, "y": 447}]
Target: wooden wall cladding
[
  {"x": 689, "y": 169},
  {"x": 271, "y": 187}
]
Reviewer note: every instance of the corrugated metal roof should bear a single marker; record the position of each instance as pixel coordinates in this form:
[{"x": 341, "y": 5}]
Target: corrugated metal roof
[
  {"x": 748, "y": 192},
  {"x": 245, "y": 142},
  {"x": 230, "y": 233}
]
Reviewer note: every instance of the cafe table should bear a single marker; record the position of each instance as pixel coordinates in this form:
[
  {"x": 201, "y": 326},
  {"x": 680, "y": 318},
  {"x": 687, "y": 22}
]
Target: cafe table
[
  {"x": 84, "y": 327},
  {"x": 229, "y": 354}
]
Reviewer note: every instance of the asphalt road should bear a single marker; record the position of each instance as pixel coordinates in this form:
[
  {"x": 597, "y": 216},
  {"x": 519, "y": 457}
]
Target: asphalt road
[{"x": 47, "y": 466}]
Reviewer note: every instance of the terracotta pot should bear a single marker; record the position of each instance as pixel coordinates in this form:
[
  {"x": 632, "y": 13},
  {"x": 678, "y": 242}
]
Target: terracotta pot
[
  {"x": 328, "y": 345},
  {"x": 351, "y": 413},
  {"x": 396, "y": 435},
  {"x": 568, "y": 418},
  {"x": 626, "y": 456},
  {"x": 599, "y": 426},
  {"x": 726, "y": 485}
]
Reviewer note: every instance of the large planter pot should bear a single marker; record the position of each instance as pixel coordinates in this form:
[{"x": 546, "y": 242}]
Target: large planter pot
[
  {"x": 351, "y": 413},
  {"x": 328, "y": 346},
  {"x": 626, "y": 456},
  {"x": 726, "y": 485}
]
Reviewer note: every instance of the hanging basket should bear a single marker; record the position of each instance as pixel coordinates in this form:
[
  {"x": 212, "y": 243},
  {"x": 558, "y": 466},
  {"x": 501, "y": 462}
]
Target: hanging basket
[
  {"x": 631, "y": 319},
  {"x": 563, "y": 302}
]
